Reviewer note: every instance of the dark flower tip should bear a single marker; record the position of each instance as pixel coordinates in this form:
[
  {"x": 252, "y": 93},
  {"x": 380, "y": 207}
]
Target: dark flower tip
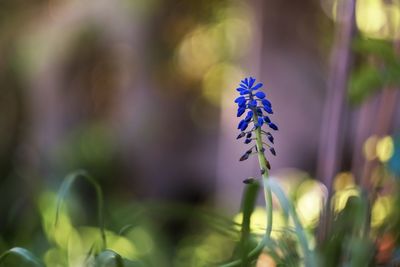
[
  {"x": 271, "y": 138},
  {"x": 244, "y": 157},
  {"x": 273, "y": 126},
  {"x": 268, "y": 165},
  {"x": 249, "y": 181},
  {"x": 242, "y": 134}
]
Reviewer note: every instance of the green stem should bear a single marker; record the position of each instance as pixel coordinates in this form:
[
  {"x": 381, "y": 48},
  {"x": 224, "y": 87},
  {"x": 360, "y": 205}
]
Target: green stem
[{"x": 267, "y": 190}]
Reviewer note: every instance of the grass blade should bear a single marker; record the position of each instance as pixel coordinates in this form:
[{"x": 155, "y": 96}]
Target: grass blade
[
  {"x": 23, "y": 254},
  {"x": 248, "y": 204},
  {"x": 288, "y": 208}
]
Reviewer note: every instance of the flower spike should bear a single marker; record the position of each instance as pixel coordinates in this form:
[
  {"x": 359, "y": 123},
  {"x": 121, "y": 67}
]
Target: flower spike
[{"x": 257, "y": 108}]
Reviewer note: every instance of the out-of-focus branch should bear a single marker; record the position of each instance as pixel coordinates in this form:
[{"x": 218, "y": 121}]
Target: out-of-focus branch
[{"x": 330, "y": 140}]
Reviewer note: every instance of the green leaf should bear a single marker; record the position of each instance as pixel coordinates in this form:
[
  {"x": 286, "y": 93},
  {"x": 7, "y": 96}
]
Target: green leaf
[
  {"x": 20, "y": 253},
  {"x": 248, "y": 204},
  {"x": 381, "y": 48},
  {"x": 391, "y": 74},
  {"x": 363, "y": 83},
  {"x": 109, "y": 258}
]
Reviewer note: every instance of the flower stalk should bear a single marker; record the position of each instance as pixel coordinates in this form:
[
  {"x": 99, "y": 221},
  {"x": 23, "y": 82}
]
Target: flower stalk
[
  {"x": 258, "y": 106},
  {"x": 265, "y": 176}
]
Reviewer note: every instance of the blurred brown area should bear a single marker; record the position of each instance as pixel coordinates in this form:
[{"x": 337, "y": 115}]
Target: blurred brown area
[{"x": 95, "y": 85}]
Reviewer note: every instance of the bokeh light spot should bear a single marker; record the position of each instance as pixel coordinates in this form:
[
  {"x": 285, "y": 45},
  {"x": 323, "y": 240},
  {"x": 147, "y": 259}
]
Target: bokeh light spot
[
  {"x": 385, "y": 148},
  {"x": 378, "y": 19},
  {"x": 343, "y": 181},
  {"x": 60, "y": 232},
  {"x": 218, "y": 78},
  {"x": 369, "y": 148},
  {"x": 197, "y": 52},
  {"x": 264, "y": 260},
  {"x": 142, "y": 239},
  {"x": 381, "y": 209},
  {"x": 258, "y": 222},
  {"x": 340, "y": 198},
  {"x": 311, "y": 200}
]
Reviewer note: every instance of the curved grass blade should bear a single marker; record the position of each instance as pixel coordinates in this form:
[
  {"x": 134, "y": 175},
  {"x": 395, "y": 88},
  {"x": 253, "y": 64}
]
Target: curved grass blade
[
  {"x": 23, "y": 254},
  {"x": 288, "y": 208},
  {"x": 125, "y": 229},
  {"x": 251, "y": 256},
  {"x": 65, "y": 187},
  {"x": 89, "y": 254}
]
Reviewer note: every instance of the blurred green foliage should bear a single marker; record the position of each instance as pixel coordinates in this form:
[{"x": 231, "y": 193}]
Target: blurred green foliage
[
  {"x": 133, "y": 233},
  {"x": 378, "y": 68}
]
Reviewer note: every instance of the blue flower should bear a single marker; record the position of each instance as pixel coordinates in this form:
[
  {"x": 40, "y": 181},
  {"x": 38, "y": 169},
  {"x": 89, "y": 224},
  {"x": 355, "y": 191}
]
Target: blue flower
[
  {"x": 240, "y": 100},
  {"x": 273, "y": 126},
  {"x": 247, "y": 141},
  {"x": 260, "y": 122},
  {"x": 252, "y": 104},
  {"x": 270, "y": 137},
  {"x": 260, "y": 95},
  {"x": 249, "y": 116},
  {"x": 266, "y": 103},
  {"x": 243, "y": 125},
  {"x": 258, "y": 107},
  {"x": 240, "y": 112},
  {"x": 268, "y": 109}
]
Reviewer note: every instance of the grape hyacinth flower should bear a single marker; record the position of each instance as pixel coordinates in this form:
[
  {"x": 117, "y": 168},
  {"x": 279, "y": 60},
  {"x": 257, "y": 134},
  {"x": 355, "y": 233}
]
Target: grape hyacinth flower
[
  {"x": 255, "y": 128},
  {"x": 255, "y": 125},
  {"x": 257, "y": 107}
]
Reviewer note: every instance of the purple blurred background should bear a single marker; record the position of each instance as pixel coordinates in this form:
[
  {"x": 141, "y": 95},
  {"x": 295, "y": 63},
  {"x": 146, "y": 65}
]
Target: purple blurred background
[{"x": 140, "y": 93}]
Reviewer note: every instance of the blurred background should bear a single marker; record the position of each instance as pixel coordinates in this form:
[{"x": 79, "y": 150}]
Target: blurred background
[{"x": 140, "y": 93}]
